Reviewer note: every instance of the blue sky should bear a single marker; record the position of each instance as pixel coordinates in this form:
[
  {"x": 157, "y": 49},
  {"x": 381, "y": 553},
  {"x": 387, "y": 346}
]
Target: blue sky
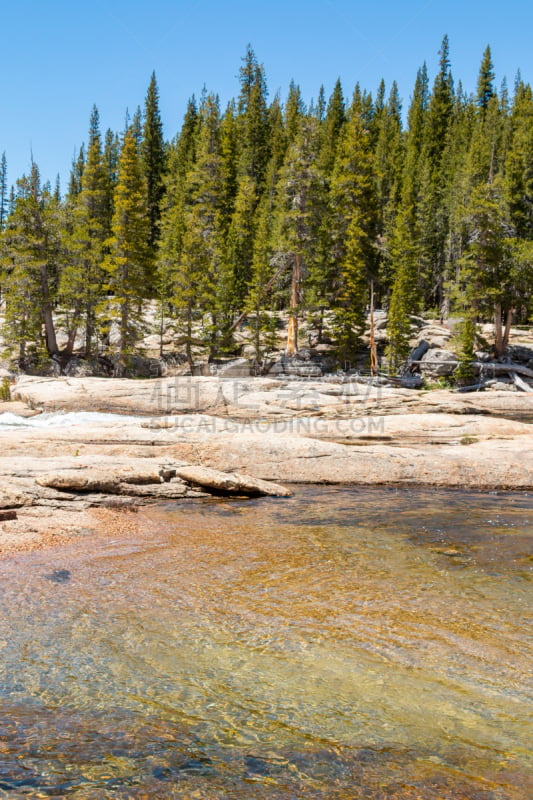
[{"x": 60, "y": 57}]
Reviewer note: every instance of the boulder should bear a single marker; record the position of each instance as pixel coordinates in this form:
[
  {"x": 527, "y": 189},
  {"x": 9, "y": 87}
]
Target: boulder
[
  {"x": 230, "y": 482},
  {"x": 419, "y": 351},
  {"x": 437, "y": 336},
  {"x": 164, "y": 491},
  {"x": 296, "y": 366},
  {"x": 91, "y": 479},
  {"x": 138, "y": 366},
  {"x": 380, "y": 320},
  {"x": 239, "y": 368},
  {"x": 82, "y": 368},
  {"x": 503, "y": 386},
  {"x": 520, "y": 353},
  {"x": 42, "y": 367},
  {"x": 438, "y": 363},
  {"x": 11, "y": 498}
]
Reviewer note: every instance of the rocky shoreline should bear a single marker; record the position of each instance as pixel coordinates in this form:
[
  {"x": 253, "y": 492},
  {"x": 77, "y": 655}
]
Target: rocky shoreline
[{"x": 176, "y": 439}]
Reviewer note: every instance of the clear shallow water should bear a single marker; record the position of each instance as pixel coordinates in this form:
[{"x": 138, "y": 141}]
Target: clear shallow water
[{"x": 345, "y": 643}]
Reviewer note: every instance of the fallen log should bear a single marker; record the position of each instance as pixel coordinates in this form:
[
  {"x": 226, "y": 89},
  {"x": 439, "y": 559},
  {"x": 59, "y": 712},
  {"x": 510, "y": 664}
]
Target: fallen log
[
  {"x": 476, "y": 387},
  {"x": 517, "y": 380},
  {"x": 493, "y": 368},
  {"x": 502, "y": 368}
]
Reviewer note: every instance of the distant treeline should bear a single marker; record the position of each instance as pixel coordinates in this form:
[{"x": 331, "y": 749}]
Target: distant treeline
[{"x": 270, "y": 206}]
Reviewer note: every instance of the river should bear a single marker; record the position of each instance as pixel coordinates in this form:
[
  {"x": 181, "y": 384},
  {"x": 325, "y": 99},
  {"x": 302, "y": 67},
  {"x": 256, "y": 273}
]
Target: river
[{"x": 346, "y": 643}]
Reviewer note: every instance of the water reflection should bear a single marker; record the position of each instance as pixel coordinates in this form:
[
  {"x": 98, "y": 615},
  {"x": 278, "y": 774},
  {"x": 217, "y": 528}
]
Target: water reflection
[{"x": 345, "y": 643}]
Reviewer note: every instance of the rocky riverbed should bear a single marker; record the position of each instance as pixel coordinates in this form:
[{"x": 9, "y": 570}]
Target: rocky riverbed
[{"x": 77, "y": 452}]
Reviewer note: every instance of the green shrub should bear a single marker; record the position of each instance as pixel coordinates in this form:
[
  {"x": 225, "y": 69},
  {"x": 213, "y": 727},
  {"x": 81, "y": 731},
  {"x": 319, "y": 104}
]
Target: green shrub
[{"x": 5, "y": 390}]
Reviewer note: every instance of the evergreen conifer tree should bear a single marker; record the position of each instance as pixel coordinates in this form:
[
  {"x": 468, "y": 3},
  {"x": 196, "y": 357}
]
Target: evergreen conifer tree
[
  {"x": 301, "y": 206},
  {"x": 153, "y": 158},
  {"x": 30, "y": 257},
  {"x": 87, "y": 229},
  {"x": 4, "y": 199},
  {"x": 353, "y": 225},
  {"x": 126, "y": 263},
  {"x": 485, "y": 81}
]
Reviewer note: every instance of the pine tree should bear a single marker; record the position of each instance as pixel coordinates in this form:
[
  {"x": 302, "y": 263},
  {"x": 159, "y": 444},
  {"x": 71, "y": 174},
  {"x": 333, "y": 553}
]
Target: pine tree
[
  {"x": 135, "y": 127},
  {"x": 435, "y": 222},
  {"x": 253, "y": 119},
  {"x": 57, "y": 189},
  {"x": 519, "y": 164},
  {"x": 4, "y": 200},
  {"x": 404, "y": 295},
  {"x": 111, "y": 156},
  {"x": 465, "y": 341},
  {"x": 332, "y": 127},
  {"x": 320, "y": 110},
  {"x": 181, "y": 159},
  {"x": 30, "y": 256},
  {"x": 87, "y": 229},
  {"x": 490, "y": 278},
  {"x": 126, "y": 264},
  {"x": 301, "y": 205},
  {"x": 405, "y": 247},
  {"x": 228, "y": 149},
  {"x": 268, "y": 263},
  {"x": 441, "y": 104},
  {"x": 191, "y": 247},
  {"x": 153, "y": 158},
  {"x": 294, "y": 111},
  {"x": 261, "y": 298},
  {"x": 353, "y": 225},
  {"x": 485, "y": 81},
  {"x": 76, "y": 173},
  {"x": 389, "y": 161},
  {"x": 240, "y": 243}
]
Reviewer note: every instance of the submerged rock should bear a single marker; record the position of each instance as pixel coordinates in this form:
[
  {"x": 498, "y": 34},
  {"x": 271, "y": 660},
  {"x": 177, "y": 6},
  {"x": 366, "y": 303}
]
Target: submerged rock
[{"x": 59, "y": 576}]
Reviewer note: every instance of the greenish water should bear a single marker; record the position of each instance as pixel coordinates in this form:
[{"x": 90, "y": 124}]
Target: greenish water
[{"x": 346, "y": 643}]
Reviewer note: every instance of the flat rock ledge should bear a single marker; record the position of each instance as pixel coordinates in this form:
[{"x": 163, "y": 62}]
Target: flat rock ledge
[{"x": 87, "y": 485}]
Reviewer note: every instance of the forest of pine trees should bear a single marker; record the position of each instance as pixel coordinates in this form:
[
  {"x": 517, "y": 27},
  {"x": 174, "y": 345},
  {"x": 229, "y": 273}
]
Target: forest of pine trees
[{"x": 267, "y": 207}]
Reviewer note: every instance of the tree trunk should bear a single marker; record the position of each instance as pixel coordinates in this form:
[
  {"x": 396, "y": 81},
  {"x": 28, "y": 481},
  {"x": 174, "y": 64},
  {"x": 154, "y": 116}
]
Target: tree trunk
[
  {"x": 509, "y": 314},
  {"x": 124, "y": 322},
  {"x": 50, "y": 334},
  {"x": 262, "y": 292},
  {"x": 71, "y": 339},
  {"x": 498, "y": 333},
  {"x": 89, "y": 330},
  {"x": 292, "y": 333},
  {"x": 188, "y": 349},
  {"x": 257, "y": 330},
  {"x": 22, "y": 353},
  {"x": 161, "y": 329}
]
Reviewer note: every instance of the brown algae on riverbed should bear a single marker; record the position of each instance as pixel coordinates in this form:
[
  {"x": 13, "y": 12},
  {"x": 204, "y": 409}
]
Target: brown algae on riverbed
[{"x": 345, "y": 643}]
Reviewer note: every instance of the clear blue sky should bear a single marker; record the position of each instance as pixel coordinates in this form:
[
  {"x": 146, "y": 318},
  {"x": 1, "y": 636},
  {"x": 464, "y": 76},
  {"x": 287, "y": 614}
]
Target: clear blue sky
[{"x": 60, "y": 57}]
